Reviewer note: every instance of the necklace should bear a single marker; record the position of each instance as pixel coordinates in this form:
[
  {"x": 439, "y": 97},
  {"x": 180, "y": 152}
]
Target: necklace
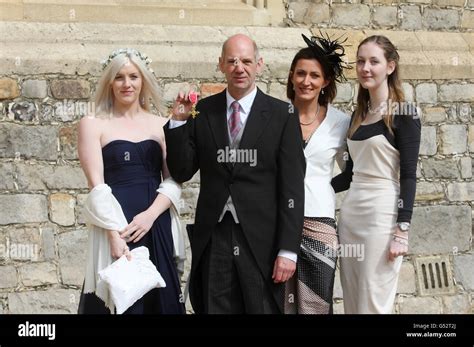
[
  {"x": 315, "y": 117},
  {"x": 380, "y": 108}
]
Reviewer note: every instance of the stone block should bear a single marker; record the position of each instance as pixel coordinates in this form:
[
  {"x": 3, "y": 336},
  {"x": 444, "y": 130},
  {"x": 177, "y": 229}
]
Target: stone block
[
  {"x": 35, "y": 89},
  {"x": 408, "y": 91},
  {"x": 316, "y": 14},
  {"x": 463, "y": 265},
  {"x": 467, "y": 19},
  {"x": 353, "y": 15},
  {"x": 38, "y": 274},
  {"x": 8, "y": 89},
  {"x": 453, "y": 139},
  {"x": 466, "y": 167},
  {"x": 23, "y": 208},
  {"x": 446, "y": 168},
  {"x": 410, "y": 17},
  {"x": 456, "y": 3},
  {"x": 464, "y": 112},
  {"x": 7, "y": 176},
  {"x": 25, "y": 244},
  {"x": 8, "y": 276},
  {"x": 440, "y": 229},
  {"x": 434, "y": 115},
  {"x": 48, "y": 243},
  {"x": 456, "y": 92},
  {"x": 72, "y": 248},
  {"x": 426, "y": 93},
  {"x": 385, "y": 16},
  {"x": 70, "y": 89},
  {"x": 28, "y": 142},
  {"x": 68, "y": 137},
  {"x": 461, "y": 191},
  {"x": 42, "y": 177},
  {"x": 440, "y": 19},
  {"x": 51, "y": 301},
  {"x": 428, "y": 141},
  {"x": 62, "y": 209},
  {"x": 429, "y": 191},
  {"x": 471, "y": 138}
]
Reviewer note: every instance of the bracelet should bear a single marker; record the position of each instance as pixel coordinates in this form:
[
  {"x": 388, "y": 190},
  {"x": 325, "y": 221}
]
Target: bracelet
[{"x": 400, "y": 240}]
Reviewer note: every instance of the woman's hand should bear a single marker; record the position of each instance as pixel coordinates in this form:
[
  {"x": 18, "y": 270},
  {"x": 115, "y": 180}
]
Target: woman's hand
[
  {"x": 139, "y": 226},
  {"x": 118, "y": 246},
  {"x": 398, "y": 245}
]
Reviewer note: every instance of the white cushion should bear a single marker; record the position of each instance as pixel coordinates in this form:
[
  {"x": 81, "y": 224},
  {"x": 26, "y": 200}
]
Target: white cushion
[{"x": 128, "y": 280}]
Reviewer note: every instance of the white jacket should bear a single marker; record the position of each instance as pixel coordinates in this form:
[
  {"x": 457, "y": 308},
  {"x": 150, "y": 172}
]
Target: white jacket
[{"x": 327, "y": 143}]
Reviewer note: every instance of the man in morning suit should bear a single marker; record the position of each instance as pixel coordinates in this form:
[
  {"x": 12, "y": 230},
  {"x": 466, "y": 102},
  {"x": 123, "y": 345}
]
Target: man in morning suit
[{"x": 249, "y": 216}]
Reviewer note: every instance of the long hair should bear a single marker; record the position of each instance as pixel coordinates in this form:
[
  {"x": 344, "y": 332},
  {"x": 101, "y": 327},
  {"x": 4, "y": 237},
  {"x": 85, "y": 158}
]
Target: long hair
[
  {"x": 395, "y": 91},
  {"x": 328, "y": 75},
  {"x": 150, "y": 91}
]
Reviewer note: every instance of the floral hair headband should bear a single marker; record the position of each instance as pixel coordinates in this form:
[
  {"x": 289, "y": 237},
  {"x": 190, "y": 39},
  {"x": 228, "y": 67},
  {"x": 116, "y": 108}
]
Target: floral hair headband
[
  {"x": 128, "y": 52},
  {"x": 330, "y": 52}
]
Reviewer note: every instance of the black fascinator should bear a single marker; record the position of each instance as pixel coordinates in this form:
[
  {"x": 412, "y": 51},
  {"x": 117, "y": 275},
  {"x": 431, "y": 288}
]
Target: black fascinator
[{"x": 330, "y": 52}]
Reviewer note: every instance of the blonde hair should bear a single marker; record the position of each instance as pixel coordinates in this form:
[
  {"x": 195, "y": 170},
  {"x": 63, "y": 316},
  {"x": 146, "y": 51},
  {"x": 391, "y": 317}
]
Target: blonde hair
[
  {"x": 150, "y": 91},
  {"x": 395, "y": 91}
]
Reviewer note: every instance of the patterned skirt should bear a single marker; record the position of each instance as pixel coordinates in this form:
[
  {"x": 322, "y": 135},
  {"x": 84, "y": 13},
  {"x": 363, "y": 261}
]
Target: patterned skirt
[{"x": 310, "y": 290}]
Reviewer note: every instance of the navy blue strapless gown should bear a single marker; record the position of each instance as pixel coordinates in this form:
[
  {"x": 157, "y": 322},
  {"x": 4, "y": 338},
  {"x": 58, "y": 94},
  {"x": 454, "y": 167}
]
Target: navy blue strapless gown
[{"x": 133, "y": 172}]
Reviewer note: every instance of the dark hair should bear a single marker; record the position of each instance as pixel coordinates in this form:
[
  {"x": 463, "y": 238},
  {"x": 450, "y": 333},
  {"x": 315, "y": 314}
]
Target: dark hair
[
  {"x": 395, "y": 91},
  {"x": 328, "y": 74}
]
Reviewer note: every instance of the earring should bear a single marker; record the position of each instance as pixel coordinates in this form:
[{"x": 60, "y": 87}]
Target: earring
[
  {"x": 142, "y": 101},
  {"x": 322, "y": 91}
]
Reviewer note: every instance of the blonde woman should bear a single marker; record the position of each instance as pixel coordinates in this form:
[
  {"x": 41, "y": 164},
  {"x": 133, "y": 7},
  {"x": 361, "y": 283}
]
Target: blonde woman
[
  {"x": 123, "y": 146},
  {"x": 383, "y": 142}
]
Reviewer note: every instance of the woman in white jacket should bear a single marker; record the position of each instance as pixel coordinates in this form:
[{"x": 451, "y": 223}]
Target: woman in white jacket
[{"x": 311, "y": 88}]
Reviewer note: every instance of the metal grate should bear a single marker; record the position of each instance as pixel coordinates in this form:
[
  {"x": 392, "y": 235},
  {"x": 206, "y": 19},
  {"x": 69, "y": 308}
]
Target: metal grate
[{"x": 434, "y": 275}]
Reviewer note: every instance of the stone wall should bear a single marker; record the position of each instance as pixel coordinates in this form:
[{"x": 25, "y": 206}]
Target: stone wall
[
  {"x": 47, "y": 79},
  {"x": 431, "y": 15}
]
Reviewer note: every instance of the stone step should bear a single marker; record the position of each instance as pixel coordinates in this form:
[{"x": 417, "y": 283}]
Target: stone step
[
  {"x": 183, "y": 52},
  {"x": 201, "y": 12}
]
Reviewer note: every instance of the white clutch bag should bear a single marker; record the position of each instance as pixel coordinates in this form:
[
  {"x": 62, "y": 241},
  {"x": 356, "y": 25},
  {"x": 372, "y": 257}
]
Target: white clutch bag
[{"x": 128, "y": 280}]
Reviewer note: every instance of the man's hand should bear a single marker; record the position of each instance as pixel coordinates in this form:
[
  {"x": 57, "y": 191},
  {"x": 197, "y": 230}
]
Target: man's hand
[
  {"x": 181, "y": 107},
  {"x": 283, "y": 269}
]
